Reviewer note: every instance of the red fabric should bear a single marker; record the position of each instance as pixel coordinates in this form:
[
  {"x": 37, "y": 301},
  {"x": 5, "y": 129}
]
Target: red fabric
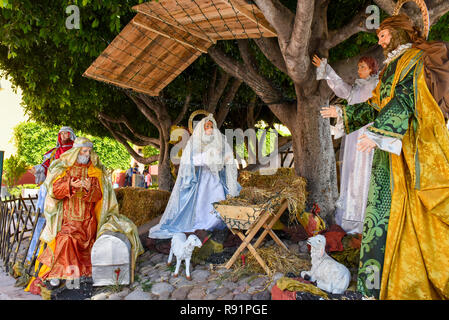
[
  {"x": 74, "y": 241},
  {"x": 334, "y": 236},
  {"x": 356, "y": 242},
  {"x": 35, "y": 286},
  {"x": 278, "y": 294},
  {"x": 120, "y": 180},
  {"x": 59, "y": 150}
]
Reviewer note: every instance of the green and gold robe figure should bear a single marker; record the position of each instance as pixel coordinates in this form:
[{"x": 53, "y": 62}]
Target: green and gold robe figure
[{"x": 405, "y": 246}]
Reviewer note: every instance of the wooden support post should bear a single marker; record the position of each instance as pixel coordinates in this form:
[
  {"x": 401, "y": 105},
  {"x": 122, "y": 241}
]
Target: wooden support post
[
  {"x": 266, "y": 221},
  {"x": 24, "y": 228},
  {"x": 7, "y": 234},
  {"x": 12, "y": 242}
]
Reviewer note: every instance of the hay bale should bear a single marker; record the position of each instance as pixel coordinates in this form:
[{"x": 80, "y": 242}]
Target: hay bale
[{"x": 141, "y": 205}]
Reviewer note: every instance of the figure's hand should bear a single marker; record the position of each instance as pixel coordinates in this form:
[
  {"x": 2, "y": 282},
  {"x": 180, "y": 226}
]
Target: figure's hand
[
  {"x": 316, "y": 61},
  {"x": 329, "y": 112},
  {"x": 365, "y": 144},
  {"x": 87, "y": 184},
  {"x": 33, "y": 171},
  {"x": 75, "y": 182}
]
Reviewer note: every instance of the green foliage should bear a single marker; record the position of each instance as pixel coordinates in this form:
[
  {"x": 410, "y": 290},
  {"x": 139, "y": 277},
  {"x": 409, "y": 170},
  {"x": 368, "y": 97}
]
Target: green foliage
[
  {"x": 17, "y": 190},
  {"x": 14, "y": 168},
  {"x": 32, "y": 140},
  {"x": 146, "y": 285},
  {"x": 440, "y": 30},
  {"x": 47, "y": 60},
  {"x": 149, "y": 151}
]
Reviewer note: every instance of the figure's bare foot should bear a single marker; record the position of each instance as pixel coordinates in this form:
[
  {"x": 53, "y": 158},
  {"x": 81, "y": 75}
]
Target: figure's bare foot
[
  {"x": 189, "y": 278},
  {"x": 175, "y": 275}
]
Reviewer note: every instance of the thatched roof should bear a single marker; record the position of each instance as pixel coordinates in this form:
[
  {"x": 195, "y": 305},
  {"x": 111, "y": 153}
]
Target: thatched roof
[{"x": 165, "y": 37}]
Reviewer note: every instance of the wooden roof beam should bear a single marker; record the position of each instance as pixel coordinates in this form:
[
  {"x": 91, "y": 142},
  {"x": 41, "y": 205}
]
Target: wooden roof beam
[
  {"x": 152, "y": 24},
  {"x": 263, "y": 24},
  {"x": 142, "y": 8}
]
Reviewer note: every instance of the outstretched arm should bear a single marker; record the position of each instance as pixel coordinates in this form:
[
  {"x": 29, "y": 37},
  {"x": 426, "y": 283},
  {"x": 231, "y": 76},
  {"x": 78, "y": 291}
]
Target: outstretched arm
[
  {"x": 351, "y": 118},
  {"x": 392, "y": 122},
  {"x": 335, "y": 82}
]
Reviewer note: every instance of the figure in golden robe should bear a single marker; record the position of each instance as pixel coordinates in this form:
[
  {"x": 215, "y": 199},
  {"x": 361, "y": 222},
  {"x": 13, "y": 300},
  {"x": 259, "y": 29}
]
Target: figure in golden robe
[
  {"x": 80, "y": 206},
  {"x": 405, "y": 246}
]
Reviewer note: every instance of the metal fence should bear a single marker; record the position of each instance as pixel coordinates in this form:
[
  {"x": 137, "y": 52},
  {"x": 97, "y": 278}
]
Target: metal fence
[{"x": 18, "y": 220}]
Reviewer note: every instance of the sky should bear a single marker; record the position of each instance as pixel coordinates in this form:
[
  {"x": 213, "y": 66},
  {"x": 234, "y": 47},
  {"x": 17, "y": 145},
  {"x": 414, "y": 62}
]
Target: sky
[{"x": 11, "y": 114}]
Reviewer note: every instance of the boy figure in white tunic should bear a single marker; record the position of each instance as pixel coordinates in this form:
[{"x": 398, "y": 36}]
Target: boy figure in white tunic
[{"x": 356, "y": 170}]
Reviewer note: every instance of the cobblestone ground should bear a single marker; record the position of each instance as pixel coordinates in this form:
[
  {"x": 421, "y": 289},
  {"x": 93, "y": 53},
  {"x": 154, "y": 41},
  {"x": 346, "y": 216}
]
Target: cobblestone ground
[
  {"x": 9, "y": 292},
  {"x": 155, "y": 281},
  {"x": 209, "y": 282}
]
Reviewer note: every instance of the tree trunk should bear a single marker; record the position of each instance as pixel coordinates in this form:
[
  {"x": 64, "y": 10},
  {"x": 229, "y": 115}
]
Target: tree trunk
[
  {"x": 314, "y": 155},
  {"x": 165, "y": 179}
]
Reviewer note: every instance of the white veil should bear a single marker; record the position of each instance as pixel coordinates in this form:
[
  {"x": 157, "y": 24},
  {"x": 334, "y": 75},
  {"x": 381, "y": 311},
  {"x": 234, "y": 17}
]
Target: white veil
[{"x": 216, "y": 155}]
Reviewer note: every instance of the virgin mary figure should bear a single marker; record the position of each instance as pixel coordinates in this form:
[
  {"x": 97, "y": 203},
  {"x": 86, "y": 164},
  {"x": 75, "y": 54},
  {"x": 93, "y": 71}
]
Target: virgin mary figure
[{"x": 207, "y": 174}]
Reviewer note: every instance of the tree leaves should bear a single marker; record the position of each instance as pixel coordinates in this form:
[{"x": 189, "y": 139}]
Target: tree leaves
[{"x": 32, "y": 140}]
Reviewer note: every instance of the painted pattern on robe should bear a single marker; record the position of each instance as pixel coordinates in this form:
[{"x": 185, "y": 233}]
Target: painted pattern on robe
[
  {"x": 391, "y": 121},
  {"x": 71, "y": 257}
]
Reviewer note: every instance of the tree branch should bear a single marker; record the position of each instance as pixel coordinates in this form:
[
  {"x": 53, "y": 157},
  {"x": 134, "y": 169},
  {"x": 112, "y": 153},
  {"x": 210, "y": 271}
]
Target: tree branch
[
  {"x": 130, "y": 150},
  {"x": 208, "y": 93},
  {"x": 279, "y": 17},
  {"x": 153, "y": 104},
  {"x": 145, "y": 111},
  {"x": 386, "y": 5},
  {"x": 122, "y": 119},
  {"x": 216, "y": 91},
  {"x": 240, "y": 71},
  {"x": 261, "y": 86},
  {"x": 437, "y": 11},
  {"x": 250, "y": 118},
  {"x": 270, "y": 48},
  {"x": 296, "y": 53},
  {"x": 356, "y": 25},
  {"x": 184, "y": 109},
  {"x": 225, "y": 104}
]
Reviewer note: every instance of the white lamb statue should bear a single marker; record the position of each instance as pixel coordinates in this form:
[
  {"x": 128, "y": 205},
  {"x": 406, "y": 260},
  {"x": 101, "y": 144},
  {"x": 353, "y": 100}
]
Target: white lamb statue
[
  {"x": 329, "y": 274},
  {"x": 183, "y": 249}
]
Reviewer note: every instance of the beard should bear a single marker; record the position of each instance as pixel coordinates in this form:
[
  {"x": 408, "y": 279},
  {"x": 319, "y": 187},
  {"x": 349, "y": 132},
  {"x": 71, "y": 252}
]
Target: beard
[
  {"x": 398, "y": 37},
  {"x": 83, "y": 159}
]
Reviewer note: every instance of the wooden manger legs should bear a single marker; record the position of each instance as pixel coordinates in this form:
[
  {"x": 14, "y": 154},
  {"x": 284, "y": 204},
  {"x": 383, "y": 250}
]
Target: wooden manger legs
[{"x": 266, "y": 221}]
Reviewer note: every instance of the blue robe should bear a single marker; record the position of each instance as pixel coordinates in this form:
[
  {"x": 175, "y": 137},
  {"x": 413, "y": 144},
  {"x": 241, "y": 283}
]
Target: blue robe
[{"x": 195, "y": 211}]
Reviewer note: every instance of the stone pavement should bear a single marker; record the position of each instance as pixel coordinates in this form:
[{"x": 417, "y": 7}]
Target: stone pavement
[
  {"x": 154, "y": 281},
  {"x": 9, "y": 292}
]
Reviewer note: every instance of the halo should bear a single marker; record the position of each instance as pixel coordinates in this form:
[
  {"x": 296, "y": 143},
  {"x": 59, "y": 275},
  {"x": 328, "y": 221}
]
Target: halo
[
  {"x": 424, "y": 12},
  {"x": 193, "y": 115}
]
